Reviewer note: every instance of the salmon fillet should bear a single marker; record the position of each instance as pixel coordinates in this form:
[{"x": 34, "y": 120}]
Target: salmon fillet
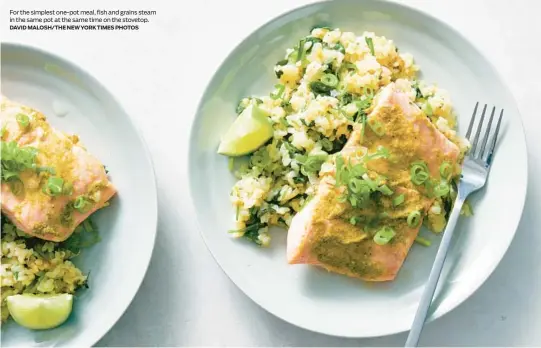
[
  {"x": 322, "y": 233},
  {"x": 31, "y": 207}
]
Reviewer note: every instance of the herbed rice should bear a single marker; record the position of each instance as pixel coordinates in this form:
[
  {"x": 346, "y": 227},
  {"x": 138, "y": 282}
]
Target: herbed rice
[
  {"x": 34, "y": 266},
  {"x": 277, "y": 180}
]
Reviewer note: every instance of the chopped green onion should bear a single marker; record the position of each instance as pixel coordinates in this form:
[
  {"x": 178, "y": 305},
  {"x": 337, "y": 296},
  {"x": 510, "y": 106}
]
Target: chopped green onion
[
  {"x": 347, "y": 66},
  {"x": 353, "y": 220},
  {"x": 446, "y": 170},
  {"x": 329, "y": 80},
  {"x": 357, "y": 170},
  {"x": 370, "y": 45},
  {"x": 385, "y": 190},
  {"x": 363, "y": 104},
  {"x": 23, "y": 120},
  {"x": 278, "y": 92},
  {"x": 363, "y": 122},
  {"x": 282, "y": 62},
  {"x": 414, "y": 218},
  {"x": 377, "y": 127},
  {"x": 82, "y": 204},
  {"x": 419, "y": 173},
  {"x": 355, "y": 185},
  {"x": 339, "y": 161},
  {"x": 67, "y": 189},
  {"x": 54, "y": 185},
  {"x": 441, "y": 189},
  {"x": 371, "y": 183},
  {"x": 398, "y": 200},
  {"x": 384, "y": 236},
  {"x": 423, "y": 241},
  {"x": 16, "y": 159}
]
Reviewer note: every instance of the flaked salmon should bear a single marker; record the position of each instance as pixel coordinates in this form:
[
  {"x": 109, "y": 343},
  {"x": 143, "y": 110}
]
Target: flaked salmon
[{"x": 332, "y": 233}]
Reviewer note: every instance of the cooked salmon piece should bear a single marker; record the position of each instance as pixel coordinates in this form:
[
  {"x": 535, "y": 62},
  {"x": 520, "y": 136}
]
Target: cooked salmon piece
[
  {"x": 27, "y": 200},
  {"x": 329, "y": 232},
  {"x": 321, "y": 234}
]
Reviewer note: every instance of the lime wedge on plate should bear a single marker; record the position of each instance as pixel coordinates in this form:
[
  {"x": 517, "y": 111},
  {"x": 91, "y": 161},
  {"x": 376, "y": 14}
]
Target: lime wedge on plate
[
  {"x": 249, "y": 131},
  {"x": 39, "y": 312}
]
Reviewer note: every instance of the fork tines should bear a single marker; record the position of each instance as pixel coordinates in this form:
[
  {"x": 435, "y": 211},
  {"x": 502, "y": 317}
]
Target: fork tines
[{"x": 483, "y": 155}]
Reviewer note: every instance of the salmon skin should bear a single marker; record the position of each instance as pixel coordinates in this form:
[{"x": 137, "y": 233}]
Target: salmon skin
[
  {"x": 330, "y": 233},
  {"x": 32, "y": 207}
]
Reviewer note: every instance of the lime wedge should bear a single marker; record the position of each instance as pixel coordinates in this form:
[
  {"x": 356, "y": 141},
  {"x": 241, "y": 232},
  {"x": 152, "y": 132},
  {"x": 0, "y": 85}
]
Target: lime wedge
[
  {"x": 39, "y": 312},
  {"x": 249, "y": 131}
]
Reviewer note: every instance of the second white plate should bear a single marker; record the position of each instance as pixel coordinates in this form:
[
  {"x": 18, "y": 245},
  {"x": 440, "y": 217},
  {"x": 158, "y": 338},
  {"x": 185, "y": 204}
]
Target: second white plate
[{"x": 328, "y": 303}]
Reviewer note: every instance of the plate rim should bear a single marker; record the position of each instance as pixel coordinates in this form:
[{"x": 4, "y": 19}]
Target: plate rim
[
  {"x": 80, "y": 71},
  {"x": 475, "y": 286}
]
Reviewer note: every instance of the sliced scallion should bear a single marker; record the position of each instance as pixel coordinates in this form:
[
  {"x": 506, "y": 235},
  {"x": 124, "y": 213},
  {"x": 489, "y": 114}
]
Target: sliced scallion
[
  {"x": 414, "y": 218},
  {"x": 419, "y": 173},
  {"x": 423, "y": 241},
  {"x": 398, "y": 200},
  {"x": 446, "y": 170},
  {"x": 441, "y": 189},
  {"x": 55, "y": 185},
  {"x": 278, "y": 91},
  {"x": 82, "y": 204},
  {"x": 67, "y": 189},
  {"x": 384, "y": 235},
  {"x": 385, "y": 190},
  {"x": 355, "y": 185},
  {"x": 370, "y": 45},
  {"x": 329, "y": 80}
]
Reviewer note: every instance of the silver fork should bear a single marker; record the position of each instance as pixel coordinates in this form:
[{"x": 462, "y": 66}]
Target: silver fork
[{"x": 474, "y": 176}]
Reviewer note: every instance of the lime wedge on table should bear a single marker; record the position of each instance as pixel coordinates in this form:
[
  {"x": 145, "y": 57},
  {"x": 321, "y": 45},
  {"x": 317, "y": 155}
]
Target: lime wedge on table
[
  {"x": 249, "y": 131},
  {"x": 40, "y": 312}
]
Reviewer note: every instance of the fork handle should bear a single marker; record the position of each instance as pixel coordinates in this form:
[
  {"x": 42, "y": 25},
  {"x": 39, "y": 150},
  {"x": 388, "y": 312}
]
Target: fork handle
[{"x": 430, "y": 288}]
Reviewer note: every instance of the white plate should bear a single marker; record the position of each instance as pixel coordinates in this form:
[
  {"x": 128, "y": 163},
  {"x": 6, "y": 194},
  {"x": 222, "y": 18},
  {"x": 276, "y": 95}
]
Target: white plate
[
  {"x": 128, "y": 227},
  {"x": 328, "y": 303}
]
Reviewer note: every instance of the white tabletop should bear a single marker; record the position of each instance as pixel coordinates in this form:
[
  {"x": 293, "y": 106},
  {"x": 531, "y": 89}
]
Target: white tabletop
[{"x": 159, "y": 73}]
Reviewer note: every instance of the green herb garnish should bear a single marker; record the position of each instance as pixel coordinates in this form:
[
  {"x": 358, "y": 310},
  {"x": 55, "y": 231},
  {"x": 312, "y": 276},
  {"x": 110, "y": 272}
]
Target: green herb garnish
[
  {"x": 82, "y": 204},
  {"x": 16, "y": 159},
  {"x": 384, "y": 235},
  {"x": 370, "y": 45}
]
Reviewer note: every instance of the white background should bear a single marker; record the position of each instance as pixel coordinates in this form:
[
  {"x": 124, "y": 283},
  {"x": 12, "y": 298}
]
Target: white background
[{"x": 159, "y": 74}]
